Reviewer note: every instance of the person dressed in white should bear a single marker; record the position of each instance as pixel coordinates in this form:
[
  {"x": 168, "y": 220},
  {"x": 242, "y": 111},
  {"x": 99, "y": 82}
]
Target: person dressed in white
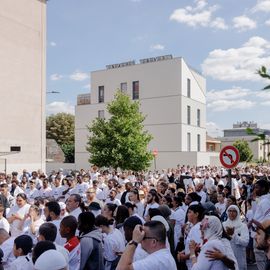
[
  {"x": 238, "y": 231},
  {"x": 3, "y": 221},
  {"x": 73, "y": 205},
  {"x": 152, "y": 237},
  {"x": 6, "y": 244},
  {"x": 135, "y": 199},
  {"x": 114, "y": 242},
  {"x": 211, "y": 229},
  {"x": 112, "y": 197},
  {"x": 195, "y": 215},
  {"x": 22, "y": 247},
  {"x": 17, "y": 214},
  {"x": 31, "y": 222},
  {"x": 152, "y": 201}
]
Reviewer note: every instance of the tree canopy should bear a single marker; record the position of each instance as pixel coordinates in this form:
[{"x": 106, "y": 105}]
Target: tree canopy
[
  {"x": 120, "y": 141},
  {"x": 244, "y": 150},
  {"x": 60, "y": 127},
  {"x": 263, "y": 73}
]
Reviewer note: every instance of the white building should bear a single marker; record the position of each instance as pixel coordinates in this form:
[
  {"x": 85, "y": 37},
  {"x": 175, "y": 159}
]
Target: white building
[
  {"x": 22, "y": 80},
  {"x": 238, "y": 132},
  {"x": 172, "y": 96}
]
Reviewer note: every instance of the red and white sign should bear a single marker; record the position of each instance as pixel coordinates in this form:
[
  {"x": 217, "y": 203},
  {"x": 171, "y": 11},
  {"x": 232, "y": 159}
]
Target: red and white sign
[
  {"x": 229, "y": 156},
  {"x": 155, "y": 152}
]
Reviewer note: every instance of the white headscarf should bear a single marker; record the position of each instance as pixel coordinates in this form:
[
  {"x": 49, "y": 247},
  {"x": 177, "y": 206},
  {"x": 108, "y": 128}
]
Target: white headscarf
[
  {"x": 211, "y": 227},
  {"x": 236, "y": 223}
]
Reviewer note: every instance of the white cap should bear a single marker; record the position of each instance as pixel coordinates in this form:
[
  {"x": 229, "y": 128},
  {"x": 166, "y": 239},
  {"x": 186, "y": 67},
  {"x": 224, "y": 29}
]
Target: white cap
[
  {"x": 162, "y": 220},
  {"x": 50, "y": 259}
]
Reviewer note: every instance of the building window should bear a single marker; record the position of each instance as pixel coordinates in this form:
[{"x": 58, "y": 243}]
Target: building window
[
  {"x": 123, "y": 87},
  {"x": 188, "y": 88},
  {"x": 101, "y": 114},
  {"x": 198, "y": 117},
  {"x": 198, "y": 142},
  {"x": 188, "y": 115},
  {"x": 189, "y": 141},
  {"x": 135, "y": 90},
  {"x": 100, "y": 94}
]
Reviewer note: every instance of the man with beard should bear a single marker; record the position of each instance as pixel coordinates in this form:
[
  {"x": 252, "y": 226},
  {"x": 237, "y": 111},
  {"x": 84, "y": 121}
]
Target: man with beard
[
  {"x": 151, "y": 201},
  {"x": 52, "y": 212},
  {"x": 262, "y": 239},
  {"x": 112, "y": 198}
]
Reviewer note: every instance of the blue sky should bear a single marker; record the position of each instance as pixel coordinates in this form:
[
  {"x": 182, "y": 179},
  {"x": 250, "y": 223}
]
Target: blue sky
[{"x": 226, "y": 40}]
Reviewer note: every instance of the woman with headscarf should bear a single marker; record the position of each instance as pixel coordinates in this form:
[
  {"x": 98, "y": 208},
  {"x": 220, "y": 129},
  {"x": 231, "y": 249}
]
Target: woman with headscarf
[
  {"x": 211, "y": 229},
  {"x": 238, "y": 233}
]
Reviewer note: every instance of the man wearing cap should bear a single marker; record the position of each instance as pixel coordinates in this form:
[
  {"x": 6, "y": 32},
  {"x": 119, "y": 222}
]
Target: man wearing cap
[{"x": 262, "y": 239}]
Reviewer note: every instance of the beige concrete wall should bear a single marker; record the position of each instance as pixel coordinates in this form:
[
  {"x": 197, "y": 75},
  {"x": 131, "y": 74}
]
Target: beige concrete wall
[{"x": 22, "y": 82}]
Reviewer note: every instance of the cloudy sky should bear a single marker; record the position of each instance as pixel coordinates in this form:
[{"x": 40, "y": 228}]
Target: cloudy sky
[{"x": 226, "y": 40}]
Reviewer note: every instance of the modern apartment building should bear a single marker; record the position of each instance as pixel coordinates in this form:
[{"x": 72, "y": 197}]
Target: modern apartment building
[
  {"x": 22, "y": 80},
  {"x": 171, "y": 95}
]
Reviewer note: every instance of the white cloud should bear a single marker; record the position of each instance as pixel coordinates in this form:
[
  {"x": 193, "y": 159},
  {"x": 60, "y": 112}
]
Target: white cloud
[
  {"x": 238, "y": 64},
  {"x": 265, "y": 103},
  {"x": 243, "y": 23},
  {"x": 58, "y": 107},
  {"x": 52, "y": 43},
  {"x": 224, "y": 105},
  {"x": 219, "y": 23},
  {"x": 262, "y": 5},
  {"x": 158, "y": 47},
  {"x": 227, "y": 94},
  {"x": 87, "y": 86},
  {"x": 213, "y": 129},
  {"x": 200, "y": 15},
  {"x": 228, "y": 99},
  {"x": 79, "y": 76},
  {"x": 267, "y": 22},
  {"x": 56, "y": 77}
]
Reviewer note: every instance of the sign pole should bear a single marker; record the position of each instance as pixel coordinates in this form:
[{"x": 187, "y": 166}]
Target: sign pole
[
  {"x": 230, "y": 179},
  {"x": 155, "y": 162}
]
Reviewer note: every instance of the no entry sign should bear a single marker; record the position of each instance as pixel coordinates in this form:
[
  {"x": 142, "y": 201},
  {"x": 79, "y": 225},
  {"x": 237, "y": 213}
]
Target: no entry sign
[{"x": 229, "y": 156}]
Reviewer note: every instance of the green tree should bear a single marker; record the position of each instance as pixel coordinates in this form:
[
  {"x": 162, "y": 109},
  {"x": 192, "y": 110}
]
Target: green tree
[
  {"x": 60, "y": 127},
  {"x": 244, "y": 150},
  {"x": 120, "y": 141},
  {"x": 263, "y": 73}
]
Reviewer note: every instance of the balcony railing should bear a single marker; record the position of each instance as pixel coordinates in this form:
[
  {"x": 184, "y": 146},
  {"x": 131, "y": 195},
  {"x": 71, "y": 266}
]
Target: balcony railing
[{"x": 84, "y": 99}]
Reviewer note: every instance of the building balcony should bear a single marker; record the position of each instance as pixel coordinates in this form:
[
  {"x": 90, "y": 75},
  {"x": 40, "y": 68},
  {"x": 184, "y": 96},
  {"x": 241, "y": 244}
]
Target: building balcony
[{"x": 84, "y": 99}]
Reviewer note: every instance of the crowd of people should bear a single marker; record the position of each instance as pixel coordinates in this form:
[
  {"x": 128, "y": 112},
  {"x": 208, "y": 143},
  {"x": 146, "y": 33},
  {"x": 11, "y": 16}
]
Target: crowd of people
[{"x": 190, "y": 218}]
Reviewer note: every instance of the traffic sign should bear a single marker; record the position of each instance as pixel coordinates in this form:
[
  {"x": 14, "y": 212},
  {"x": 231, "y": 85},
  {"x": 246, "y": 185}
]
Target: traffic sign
[
  {"x": 155, "y": 152},
  {"x": 229, "y": 156}
]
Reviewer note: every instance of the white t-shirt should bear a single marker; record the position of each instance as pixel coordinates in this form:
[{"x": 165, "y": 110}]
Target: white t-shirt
[
  {"x": 179, "y": 217},
  {"x": 221, "y": 207},
  {"x": 22, "y": 211},
  {"x": 58, "y": 240},
  {"x": 114, "y": 242},
  {"x": 159, "y": 260},
  {"x": 22, "y": 263},
  {"x": 7, "y": 248},
  {"x": 4, "y": 224},
  {"x": 195, "y": 235},
  {"x": 154, "y": 205},
  {"x": 204, "y": 263},
  {"x": 115, "y": 201}
]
